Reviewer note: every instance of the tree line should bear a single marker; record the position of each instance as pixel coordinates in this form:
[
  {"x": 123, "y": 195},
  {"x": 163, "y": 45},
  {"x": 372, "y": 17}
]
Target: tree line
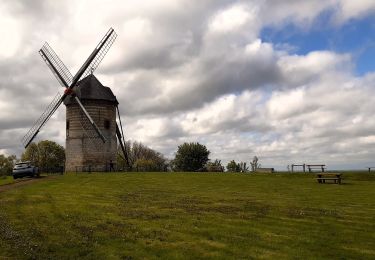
[
  {"x": 194, "y": 157},
  {"x": 189, "y": 157},
  {"x": 141, "y": 158},
  {"x": 45, "y": 155}
]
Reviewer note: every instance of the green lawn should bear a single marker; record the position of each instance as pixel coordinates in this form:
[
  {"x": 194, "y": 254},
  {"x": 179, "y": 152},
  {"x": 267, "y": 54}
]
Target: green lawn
[
  {"x": 6, "y": 180},
  {"x": 178, "y": 216}
]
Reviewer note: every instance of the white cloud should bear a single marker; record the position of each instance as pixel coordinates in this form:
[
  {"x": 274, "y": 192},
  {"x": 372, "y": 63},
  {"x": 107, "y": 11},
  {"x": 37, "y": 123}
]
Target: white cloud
[
  {"x": 300, "y": 13},
  {"x": 232, "y": 19},
  {"x": 297, "y": 69},
  {"x": 349, "y": 9},
  {"x": 229, "y": 112},
  {"x": 11, "y": 31},
  {"x": 286, "y": 104},
  {"x": 367, "y": 139}
]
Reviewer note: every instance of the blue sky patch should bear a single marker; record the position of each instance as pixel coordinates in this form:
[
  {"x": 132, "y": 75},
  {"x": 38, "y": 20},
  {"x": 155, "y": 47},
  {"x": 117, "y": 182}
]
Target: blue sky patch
[{"x": 355, "y": 36}]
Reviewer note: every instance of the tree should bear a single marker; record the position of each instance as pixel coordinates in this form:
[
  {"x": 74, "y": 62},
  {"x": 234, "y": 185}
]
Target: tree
[
  {"x": 31, "y": 154},
  {"x": 7, "y": 164},
  {"x": 232, "y": 166},
  {"x": 146, "y": 165},
  {"x": 46, "y": 154},
  {"x": 141, "y": 158},
  {"x": 191, "y": 157},
  {"x": 255, "y": 164},
  {"x": 214, "y": 166},
  {"x": 243, "y": 167}
]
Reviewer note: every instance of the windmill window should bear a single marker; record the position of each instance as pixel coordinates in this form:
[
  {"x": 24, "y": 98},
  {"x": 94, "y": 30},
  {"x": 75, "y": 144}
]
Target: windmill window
[
  {"x": 107, "y": 124},
  {"x": 67, "y": 127}
]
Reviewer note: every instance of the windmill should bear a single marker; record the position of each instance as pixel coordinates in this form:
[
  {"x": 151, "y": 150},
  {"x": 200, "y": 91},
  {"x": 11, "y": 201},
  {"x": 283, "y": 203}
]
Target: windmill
[{"x": 91, "y": 108}]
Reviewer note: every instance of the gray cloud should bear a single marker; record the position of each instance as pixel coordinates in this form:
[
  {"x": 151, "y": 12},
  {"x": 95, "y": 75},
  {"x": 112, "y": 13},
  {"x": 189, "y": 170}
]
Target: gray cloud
[{"x": 186, "y": 71}]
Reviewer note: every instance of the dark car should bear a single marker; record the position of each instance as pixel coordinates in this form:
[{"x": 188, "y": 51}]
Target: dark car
[{"x": 23, "y": 169}]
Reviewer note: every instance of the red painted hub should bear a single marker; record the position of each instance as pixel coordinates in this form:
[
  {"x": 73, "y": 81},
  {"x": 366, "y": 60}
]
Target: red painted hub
[{"x": 68, "y": 91}]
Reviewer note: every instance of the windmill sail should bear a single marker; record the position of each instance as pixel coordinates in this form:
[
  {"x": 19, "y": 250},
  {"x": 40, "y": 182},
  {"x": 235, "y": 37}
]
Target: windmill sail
[
  {"x": 65, "y": 78},
  {"x": 93, "y": 60},
  {"x": 57, "y": 67},
  {"x": 93, "y": 141},
  {"x": 122, "y": 145},
  {"x": 121, "y": 138},
  {"x": 51, "y": 108},
  {"x": 88, "y": 117},
  {"x": 102, "y": 48}
]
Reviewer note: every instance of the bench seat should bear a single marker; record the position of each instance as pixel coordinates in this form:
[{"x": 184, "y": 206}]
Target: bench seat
[{"x": 324, "y": 179}]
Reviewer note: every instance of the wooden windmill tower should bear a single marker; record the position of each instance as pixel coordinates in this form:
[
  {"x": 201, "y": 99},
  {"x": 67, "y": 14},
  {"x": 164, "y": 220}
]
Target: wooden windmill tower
[{"x": 91, "y": 109}]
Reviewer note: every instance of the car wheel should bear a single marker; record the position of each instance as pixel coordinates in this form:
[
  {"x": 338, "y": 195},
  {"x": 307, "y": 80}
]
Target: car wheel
[{"x": 14, "y": 177}]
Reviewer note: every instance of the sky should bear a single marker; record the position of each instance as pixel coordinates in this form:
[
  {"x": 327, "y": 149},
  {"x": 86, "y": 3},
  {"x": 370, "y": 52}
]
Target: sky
[{"x": 288, "y": 81}]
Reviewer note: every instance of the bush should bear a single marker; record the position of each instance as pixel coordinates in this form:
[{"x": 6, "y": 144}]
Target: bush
[
  {"x": 214, "y": 166},
  {"x": 232, "y": 166}
]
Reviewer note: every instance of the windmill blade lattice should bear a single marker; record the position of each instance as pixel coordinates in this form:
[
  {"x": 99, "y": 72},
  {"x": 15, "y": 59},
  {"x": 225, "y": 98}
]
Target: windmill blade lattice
[
  {"x": 103, "y": 47},
  {"x": 57, "y": 67},
  {"x": 91, "y": 121},
  {"x": 51, "y": 108},
  {"x": 95, "y": 142}
]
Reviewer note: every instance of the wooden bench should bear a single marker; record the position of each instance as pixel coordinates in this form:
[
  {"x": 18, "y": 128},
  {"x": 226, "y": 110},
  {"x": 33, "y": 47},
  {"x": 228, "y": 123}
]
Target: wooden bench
[
  {"x": 311, "y": 167},
  {"x": 299, "y": 165},
  {"x": 265, "y": 170},
  {"x": 323, "y": 177}
]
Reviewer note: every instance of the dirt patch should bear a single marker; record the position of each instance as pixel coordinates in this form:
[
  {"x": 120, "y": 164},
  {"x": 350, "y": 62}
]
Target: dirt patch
[{"x": 22, "y": 182}]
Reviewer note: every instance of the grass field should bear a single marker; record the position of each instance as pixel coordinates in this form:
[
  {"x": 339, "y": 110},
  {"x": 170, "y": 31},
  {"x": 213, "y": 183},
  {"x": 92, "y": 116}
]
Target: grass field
[
  {"x": 6, "y": 180},
  {"x": 177, "y": 215}
]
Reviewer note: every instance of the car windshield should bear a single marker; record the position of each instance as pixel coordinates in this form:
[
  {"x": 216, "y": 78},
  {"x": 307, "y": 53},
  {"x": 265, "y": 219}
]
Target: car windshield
[{"x": 21, "y": 165}]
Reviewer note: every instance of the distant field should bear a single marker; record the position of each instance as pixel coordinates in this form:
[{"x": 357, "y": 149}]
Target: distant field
[{"x": 185, "y": 215}]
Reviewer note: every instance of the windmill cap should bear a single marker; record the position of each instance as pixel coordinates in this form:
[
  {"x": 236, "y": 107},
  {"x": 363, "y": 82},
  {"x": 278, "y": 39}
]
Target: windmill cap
[{"x": 90, "y": 88}]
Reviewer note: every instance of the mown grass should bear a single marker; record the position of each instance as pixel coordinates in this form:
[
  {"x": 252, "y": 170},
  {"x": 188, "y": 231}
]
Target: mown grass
[
  {"x": 185, "y": 215},
  {"x": 6, "y": 180}
]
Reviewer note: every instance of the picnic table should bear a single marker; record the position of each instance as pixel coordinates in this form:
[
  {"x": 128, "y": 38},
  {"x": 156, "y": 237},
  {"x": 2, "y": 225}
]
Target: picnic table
[{"x": 323, "y": 177}]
